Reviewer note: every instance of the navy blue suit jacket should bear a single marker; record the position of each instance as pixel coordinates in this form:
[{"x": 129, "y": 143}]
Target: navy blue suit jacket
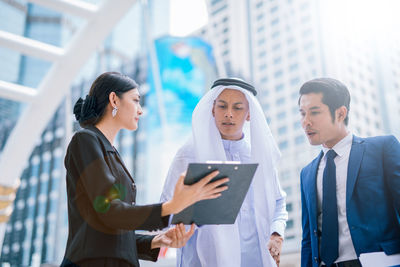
[{"x": 372, "y": 199}]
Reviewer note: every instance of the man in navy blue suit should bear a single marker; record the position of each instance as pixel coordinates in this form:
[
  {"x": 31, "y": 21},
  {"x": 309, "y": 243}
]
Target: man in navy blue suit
[{"x": 350, "y": 193}]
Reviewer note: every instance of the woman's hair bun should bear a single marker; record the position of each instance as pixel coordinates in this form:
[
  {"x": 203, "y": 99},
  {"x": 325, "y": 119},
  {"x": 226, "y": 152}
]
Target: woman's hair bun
[{"x": 85, "y": 110}]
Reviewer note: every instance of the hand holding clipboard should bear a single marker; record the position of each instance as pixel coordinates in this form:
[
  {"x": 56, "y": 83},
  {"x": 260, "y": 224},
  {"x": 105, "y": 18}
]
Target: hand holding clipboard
[{"x": 222, "y": 210}]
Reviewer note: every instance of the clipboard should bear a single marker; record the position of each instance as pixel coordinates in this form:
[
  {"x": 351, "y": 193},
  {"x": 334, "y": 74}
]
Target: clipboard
[{"x": 222, "y": 210}]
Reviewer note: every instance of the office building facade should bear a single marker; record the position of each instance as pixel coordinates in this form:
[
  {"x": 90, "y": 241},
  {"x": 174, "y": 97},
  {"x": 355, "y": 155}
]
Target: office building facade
[{"x": 282, "y": 45}]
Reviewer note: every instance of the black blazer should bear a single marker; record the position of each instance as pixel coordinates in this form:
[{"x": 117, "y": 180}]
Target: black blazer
[{"x": 101, "y": 204}]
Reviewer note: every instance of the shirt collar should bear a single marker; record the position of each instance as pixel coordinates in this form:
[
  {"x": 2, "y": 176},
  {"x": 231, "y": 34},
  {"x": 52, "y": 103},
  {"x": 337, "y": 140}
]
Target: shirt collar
[
  {"x": 342, "y": 146},
  {"x": 234, "y": 145},
  {"x": 103, "y": 138}
]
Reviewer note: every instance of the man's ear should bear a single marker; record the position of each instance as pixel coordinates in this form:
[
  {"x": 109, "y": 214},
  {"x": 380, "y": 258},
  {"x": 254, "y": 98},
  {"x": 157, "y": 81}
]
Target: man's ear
[
  {"x": 341, "y": 113},
  {"x": 248, "y": 117}
]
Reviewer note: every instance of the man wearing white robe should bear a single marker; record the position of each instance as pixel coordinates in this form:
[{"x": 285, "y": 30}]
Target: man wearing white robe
[{"x": 219, "y": 124}]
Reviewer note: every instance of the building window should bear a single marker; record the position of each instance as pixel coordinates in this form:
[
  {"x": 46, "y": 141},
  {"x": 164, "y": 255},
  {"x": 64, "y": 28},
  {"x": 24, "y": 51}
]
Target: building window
[
  {"x": 280, "y": 101},
  {"x": 277, "y": 60},
  {"x": 264, "y": 79},
  {"x": 275, "y": 34},
  {"x": 288, "y": 190},
  {"x": 274, "y": 22},
  {"x": 304, "y": 6},
  {"x": 274, "y": 9},
  {"x": 214, "y": 2},
  {"x": 281, "y": 115},
  {"x": 262, "y": 53},
  {"x": 276, "y": 47},
  {"x": 299, "y": 139},
  {"x": 292, "y": 53},
  {"x": 295, "y": 81},
  {"x": 219, "y": 10},
  {"x": 285, "y": 175},
  {"x": 259, "y": 4},
  {"x": 290, "y": 40},
  {"x": 282, "y": 130},
  {"x": 289, "y": 207},
  {"x": 279, "y": 87},
  {"x": 308, "y": 45},
  {"x": 306, "y": 32},
  {"x": 282, "y": 146},
  {"x": 278, "y": 73},
  {"x": 260, "y": 17},
  {"x": 293, "y": 67},
  {"x": 289, "y": 224}
]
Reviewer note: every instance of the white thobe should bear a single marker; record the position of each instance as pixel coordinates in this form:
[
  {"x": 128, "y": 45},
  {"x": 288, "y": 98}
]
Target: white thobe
[{"x": 250, "y": 249}]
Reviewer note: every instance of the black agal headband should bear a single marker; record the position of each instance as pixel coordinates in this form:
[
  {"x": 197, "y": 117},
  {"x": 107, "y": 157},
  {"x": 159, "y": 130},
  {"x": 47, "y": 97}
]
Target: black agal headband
[{"x": 236, "y": 82}]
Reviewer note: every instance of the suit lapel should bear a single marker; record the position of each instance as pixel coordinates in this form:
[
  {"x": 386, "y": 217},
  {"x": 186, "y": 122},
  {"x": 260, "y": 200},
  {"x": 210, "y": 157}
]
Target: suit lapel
[
  {"x": 312, "y": 186},
  {"x": 356, "y": 154}
]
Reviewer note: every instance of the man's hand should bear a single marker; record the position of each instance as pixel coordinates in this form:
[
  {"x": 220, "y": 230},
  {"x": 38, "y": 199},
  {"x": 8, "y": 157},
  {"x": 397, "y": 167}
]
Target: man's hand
[
  {"x": 175, "y": 237},
  {"x": 275, "y": 247}
]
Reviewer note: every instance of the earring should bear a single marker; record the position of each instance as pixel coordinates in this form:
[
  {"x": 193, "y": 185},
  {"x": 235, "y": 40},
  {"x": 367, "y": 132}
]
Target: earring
[{"x": 114, "y": 112}]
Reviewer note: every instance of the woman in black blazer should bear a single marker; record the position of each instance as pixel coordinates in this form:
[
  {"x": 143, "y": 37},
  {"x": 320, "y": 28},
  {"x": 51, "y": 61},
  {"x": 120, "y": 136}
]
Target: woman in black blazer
[{"x": 102, "y": 214}]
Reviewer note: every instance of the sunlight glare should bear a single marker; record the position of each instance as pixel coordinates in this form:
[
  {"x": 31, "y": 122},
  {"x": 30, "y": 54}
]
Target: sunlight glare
[
  {"x": 365, "y": 17},
  {"x": 187, "y": 16}
]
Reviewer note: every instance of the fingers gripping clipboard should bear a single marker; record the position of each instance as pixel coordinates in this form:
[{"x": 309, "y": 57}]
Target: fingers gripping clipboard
[{"x": 222, "y": 210}]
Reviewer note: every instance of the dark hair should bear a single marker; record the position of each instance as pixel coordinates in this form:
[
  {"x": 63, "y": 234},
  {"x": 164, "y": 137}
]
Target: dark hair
[
  {"x": 91, "y": 110},
  {"x": 334, "y": 94}
]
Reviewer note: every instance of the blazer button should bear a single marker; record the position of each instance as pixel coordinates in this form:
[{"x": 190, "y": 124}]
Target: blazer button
[
  {"x": 315, "y": 259},
  {"x": 315, "y": 233}
]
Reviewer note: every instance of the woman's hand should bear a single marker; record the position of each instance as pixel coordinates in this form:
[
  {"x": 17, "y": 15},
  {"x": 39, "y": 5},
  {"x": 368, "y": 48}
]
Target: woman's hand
[
  {"x": 175, "y": 237},
  {"x": 186, "y": 195}
]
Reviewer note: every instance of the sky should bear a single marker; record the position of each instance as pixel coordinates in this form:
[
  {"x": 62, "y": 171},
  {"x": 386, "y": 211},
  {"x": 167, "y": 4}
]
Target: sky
[{"x": 187, "y": 16}]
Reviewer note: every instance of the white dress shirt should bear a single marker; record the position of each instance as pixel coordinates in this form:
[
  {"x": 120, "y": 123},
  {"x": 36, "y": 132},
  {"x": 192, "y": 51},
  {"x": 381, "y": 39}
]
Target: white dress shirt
[{"x": 342, "y": 149}]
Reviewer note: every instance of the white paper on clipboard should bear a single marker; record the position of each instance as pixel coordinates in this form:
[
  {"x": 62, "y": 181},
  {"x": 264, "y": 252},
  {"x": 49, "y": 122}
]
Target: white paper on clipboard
[{"x": 379, "y": 259}]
